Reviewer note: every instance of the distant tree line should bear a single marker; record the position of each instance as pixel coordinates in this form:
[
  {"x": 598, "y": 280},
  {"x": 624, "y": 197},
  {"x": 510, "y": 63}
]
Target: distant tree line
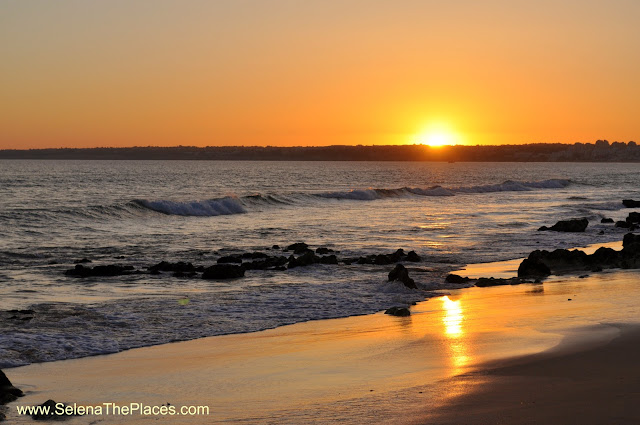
[{"x": 600, "y": 151}]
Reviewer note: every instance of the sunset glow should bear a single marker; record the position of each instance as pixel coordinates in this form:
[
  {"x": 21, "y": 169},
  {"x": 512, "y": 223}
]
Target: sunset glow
[{"x": 168, "y": 73}]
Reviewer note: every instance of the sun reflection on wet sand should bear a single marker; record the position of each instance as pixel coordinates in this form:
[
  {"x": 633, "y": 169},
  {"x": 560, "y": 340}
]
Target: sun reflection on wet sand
[{"x": 453, "y": 320}]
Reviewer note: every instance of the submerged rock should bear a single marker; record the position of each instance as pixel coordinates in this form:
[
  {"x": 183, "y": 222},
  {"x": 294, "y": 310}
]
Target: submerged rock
[
  {"x": 223, "y": 271},
  {"x": 108, "y": 270},
  {"x": 274, "y": 263},
  {"x": 573, "y": 225},
  {"x": 180, "y": 266},
  {"x": 401, "y": 273},
  {"x": 398, "y": 311},
  {"x": 230, "y": 259},
  {"x": 606, "y": 220}
]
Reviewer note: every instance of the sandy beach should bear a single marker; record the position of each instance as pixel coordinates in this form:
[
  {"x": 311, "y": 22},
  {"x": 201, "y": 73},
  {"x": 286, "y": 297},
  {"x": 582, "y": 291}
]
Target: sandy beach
[
  {"x": 568, "y": 385},
  {"x": 447, "y": 358}
]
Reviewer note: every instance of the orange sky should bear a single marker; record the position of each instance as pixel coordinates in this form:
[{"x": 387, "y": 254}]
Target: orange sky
[{"x": 274, "y": 72}]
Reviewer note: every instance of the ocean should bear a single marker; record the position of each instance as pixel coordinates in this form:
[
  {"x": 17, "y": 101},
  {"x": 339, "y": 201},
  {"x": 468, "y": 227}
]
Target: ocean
[{"x": 138, "y": 213}]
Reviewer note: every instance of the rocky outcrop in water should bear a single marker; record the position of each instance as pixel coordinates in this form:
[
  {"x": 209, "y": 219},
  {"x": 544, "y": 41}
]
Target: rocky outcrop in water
[
  {"x": 401, "y": 274},
  {"x": 179, "y": 269},
  {"x": 630, "y": 203},
  {"x": 386, "y": 259},
  {"x": 573, "y": 225},
  {"x": 297, "y": 248},
  {"x": 301, "y": 256},
  {"x": 606, "y": 220},
  {"x": 223, "y": 271},
  {"x": 541, "y": 263},
  {"x": 633, "y": 217}
]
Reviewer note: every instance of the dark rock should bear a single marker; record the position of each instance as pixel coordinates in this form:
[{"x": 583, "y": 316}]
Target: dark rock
[
  {"x": 298, "y": 248},
  {"x": 606, "y": 220},
  {"x": 398, "y": 311},
  {"x": 533, "y": 268},
  {"x": 630, "y": 239},
  {"x": 324, "y": 251},
  {"x": 306, "y": 259},
  {"x": 413, "y": 257},
  {"x": 8, "y": 392},
  {"x": 623, "y": 224},
  {"x": 634, "y": 217},
  {"x": 329, "y": 259},
  {"x": 605, "y": 257},
  {"x": 223, "y": 271},
  {"x": 273, "y": 263},
  {"x": 83, "y": 261},
  {"x": 254, "y": 255},
  {"x": 20, "y": 312},
  {"x": 230, "y": 259},
  {"x": 484, "y": 282},
  {"x": 179, "y": 267},
  {"x": 573, "y": 225},
  {"x": 108, "y": 270},
  {"x": 561, "y": 259},
  {"x": 275, "y": 247},
  {"x": 401, "y": 273},
  {"x": 630, "y": 203},
  {"x": 383, "y": 260},
  {"x": 454, "y": 278}
]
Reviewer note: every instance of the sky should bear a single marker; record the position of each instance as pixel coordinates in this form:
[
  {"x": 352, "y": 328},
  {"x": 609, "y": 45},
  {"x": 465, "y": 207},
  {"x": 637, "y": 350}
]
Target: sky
[{"x": 310, "y": 73}]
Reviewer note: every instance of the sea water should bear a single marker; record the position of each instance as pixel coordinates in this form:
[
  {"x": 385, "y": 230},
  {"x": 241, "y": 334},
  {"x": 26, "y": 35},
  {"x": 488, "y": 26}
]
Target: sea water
[{"x": 138, "y": 213}]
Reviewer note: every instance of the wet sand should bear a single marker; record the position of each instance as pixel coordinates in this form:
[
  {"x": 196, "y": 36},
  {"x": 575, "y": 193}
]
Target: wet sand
[
  {"x": 376, "y": 368},
  {"x": 598, "y": 386}
]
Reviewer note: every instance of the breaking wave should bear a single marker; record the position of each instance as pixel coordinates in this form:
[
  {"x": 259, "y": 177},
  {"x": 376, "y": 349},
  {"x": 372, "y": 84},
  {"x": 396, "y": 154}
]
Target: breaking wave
[{"x": 230, "y": 205}]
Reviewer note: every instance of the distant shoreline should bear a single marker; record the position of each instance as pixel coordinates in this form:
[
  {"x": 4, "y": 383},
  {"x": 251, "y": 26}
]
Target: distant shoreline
[{"x": 601, "y": 151}]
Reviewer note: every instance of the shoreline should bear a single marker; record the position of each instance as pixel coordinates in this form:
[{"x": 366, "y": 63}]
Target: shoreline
[{"x": 354, "y": 368}]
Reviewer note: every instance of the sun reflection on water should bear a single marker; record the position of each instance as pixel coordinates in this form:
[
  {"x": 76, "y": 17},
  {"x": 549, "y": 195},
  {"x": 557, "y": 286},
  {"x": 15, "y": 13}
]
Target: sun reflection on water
[{"x": 453, "y": 319}]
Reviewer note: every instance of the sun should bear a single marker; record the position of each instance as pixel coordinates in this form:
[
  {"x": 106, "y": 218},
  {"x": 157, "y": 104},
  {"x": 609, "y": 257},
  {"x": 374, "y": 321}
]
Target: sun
[
  {"x": 436, "y": 134},
  {"x": 436, "y": 139}
]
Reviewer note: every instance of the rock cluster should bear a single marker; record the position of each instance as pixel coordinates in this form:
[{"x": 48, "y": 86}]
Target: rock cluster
[
  {"x": 573, "y": 225},
  {"x": 234, "y": 266},
  {"x": 542, "y": 263}
]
